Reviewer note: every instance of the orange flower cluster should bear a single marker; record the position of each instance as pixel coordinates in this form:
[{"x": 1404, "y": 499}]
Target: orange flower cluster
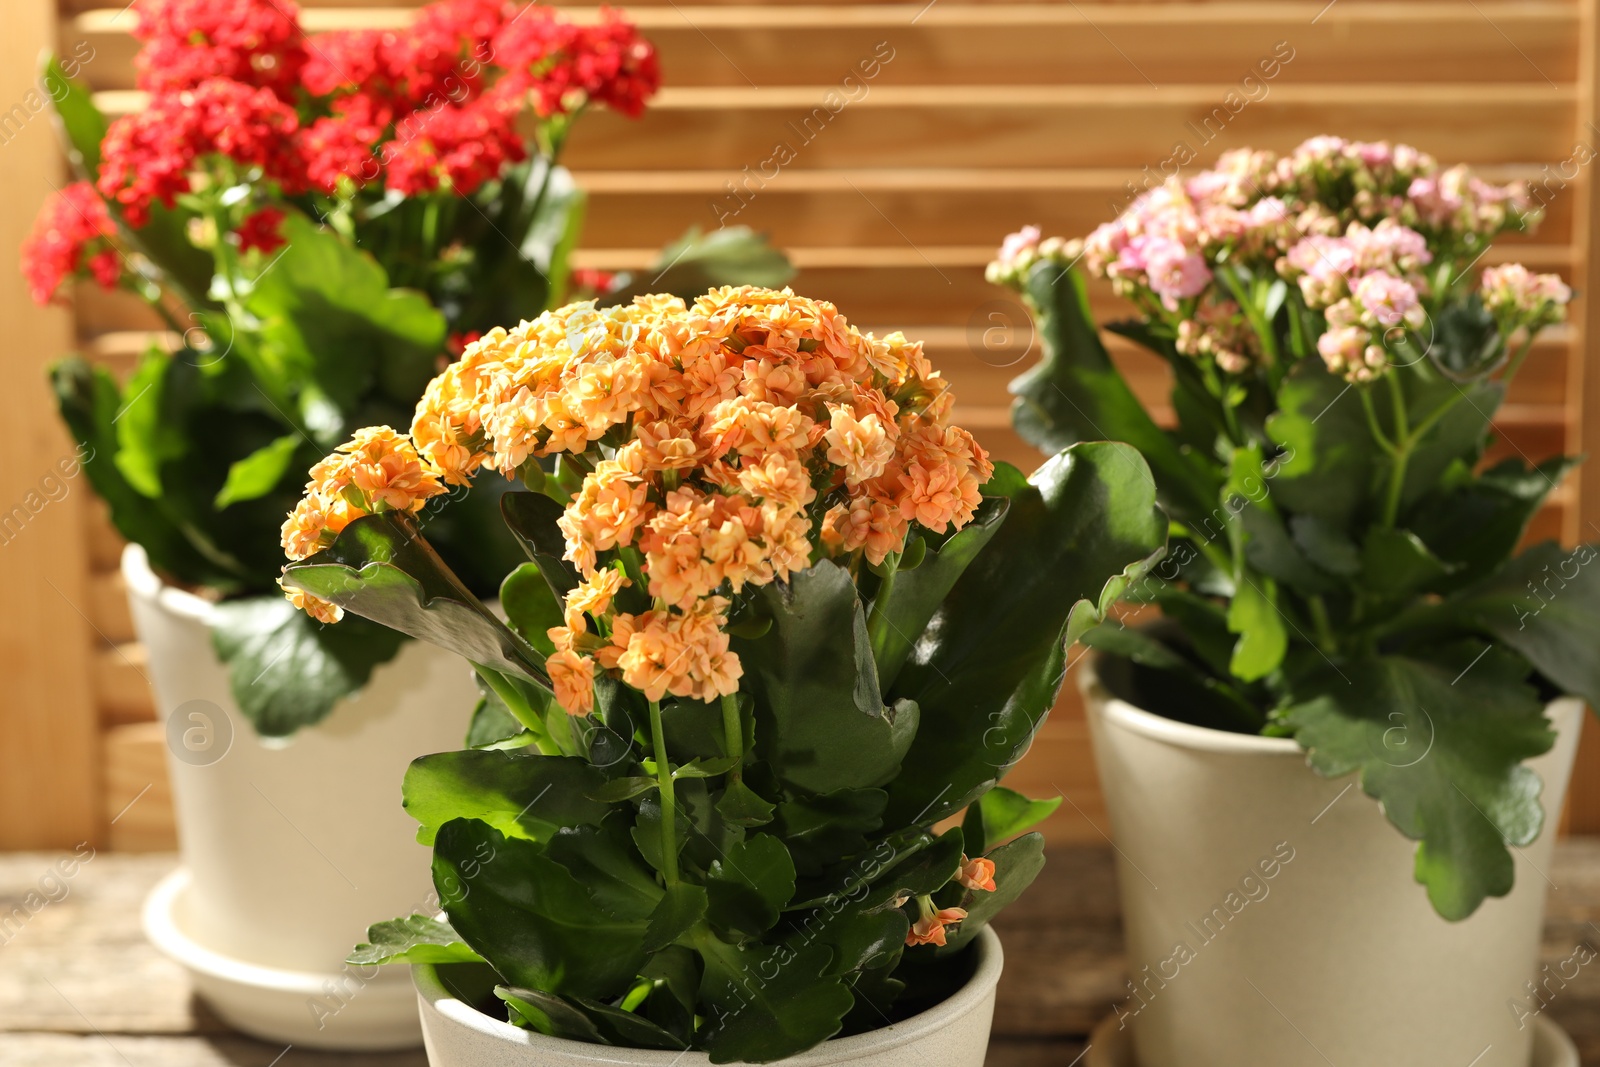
[
  {"x": 377, "y": 470},
  {"x": 728, "y": 442}
]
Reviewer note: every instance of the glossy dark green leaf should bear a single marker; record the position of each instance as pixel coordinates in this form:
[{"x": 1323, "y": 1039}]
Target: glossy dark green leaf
[
  {"x": 605, "y": 862},
  {"x": 1081, "y": 531},
  {"x": 682, "y": 906},
  {"x": 529, "y": 917},
  {"x": 742, "y": 806},
  {"x": 1076, "y": 393},
  {"x": 1462, "y": 434},
  {"x": 916, "y": 594},
  {"x": 1327, "y": 547},
  {"x": 766, "y": 1002},
  {"x": 1545, "y": 604},
  {"x": 1270, "y": 550},
  {"x": 1016, "y": 865},
  {"x": 821, "y": 723},
  {"x": 532, "y": 518},
  {"x": 414, "y": 939},
  {"x": 382, "y": 569},
  {"x": 750, "y": 886},
  {"x": 820, "y": 829},
  {"x": 491, "y": 722},
  {"x": 519, "y": 792},
  {"x": 286, "y": 670},
  {"x": 1443, "y": 759}
]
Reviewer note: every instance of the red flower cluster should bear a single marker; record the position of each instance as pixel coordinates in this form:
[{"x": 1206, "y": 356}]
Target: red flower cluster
[
  {"x": 260, "y": 230},
  {"x": 147, "y": 157},
  {"x": 187, "y": 42},
  {"x": 431, "y": 107},
  {"x": 72, "y": 227}
]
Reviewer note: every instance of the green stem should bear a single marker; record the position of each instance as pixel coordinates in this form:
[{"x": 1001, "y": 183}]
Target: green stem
[
  {"x": 520, "y": 709},
  {"x": 669, "y": 802},
  {"x": 733, "y": 733},
  {"x": 878, "y": 618},
  {"x": 1372, "y": 420},
  {"x": 1319, "y": 617}
]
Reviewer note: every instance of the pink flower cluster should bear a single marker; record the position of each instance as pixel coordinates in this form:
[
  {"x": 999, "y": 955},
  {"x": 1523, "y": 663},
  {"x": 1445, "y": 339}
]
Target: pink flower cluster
[
  {"x": 1357, "y": 226},
  {"x": 1516, "y": 295}
]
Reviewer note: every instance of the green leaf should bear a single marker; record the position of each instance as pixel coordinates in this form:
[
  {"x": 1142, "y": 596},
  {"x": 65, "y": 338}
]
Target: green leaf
[
  {"x": 1006, "y": 814},
  {"x": 1076, "y": 393},
  {"x": 260, "y": 472},
  {"x": 1253, "y": 615},
  {"x": 1270, "y": 550},
  {"x": 520, "y": 793},
  {"x": 1545, "y": 604},
  {"x": 382, "y": 569},
  {"x": 750, "y": 886},
  {"x": 605, "y": 862},
  {"x": 620, "y": 789},
  {"x": 1476, "y": 526},
  {"x": 1460, "y": 435},
  {"x": 80, "y": 123},
  {"x": 532, "y": 518},
  {"x": 492, "y": 723},
  {"x": 821, "y": 722},
  {"x": 582, "y": 1019},
  {"x": 696, "y": 262},
  {"x": 529, "y": 917},
  {"x": 917, "y": 593},
  {"x": 531, "y": 607},
  {"x": 1443, "y": 759},
  {"x": 767, "y": 1002},
  {"x": 285, "y": 669},
  {"x": 149, "y": 432},
  {"x": 1326, "y": 546},
  {"x": 1396, "y": 564},
  {"x": 991, "y": 661},
  {"x": 742, "y": 806},
  {"x": 1329, "y": 459},
  {"x": 89, "y": 401},
  {"x": 1016, "y": 865},
  {"x": 683, "y": 905},
  {"x": 327, "y": 315},
  {"x": 414, "y": 939}
]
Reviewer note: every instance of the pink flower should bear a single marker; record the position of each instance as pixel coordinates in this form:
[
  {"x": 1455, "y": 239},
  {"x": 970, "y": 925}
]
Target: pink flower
[
  {"x": 1389, "y": 301},
  {"x": 1175, "y": 272}
]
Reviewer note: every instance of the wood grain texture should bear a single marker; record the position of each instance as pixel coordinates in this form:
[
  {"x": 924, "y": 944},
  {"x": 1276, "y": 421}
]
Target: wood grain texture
[
  {"x": 82, "y": 988},
  {"x": 990, "y": 114},
  {"x": 49, "y": 778}
]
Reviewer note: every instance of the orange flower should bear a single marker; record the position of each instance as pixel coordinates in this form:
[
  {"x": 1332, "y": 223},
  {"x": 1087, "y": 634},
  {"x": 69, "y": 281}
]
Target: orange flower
[
  {"x": 929, "y": 930},
  {"x": 572, "y": 678},
  {"x": 861, "y": 446},
  {"x": 593, "y": 596},
  {"x": 317, "y": 608},
  {"x": 977, "y": 874}
]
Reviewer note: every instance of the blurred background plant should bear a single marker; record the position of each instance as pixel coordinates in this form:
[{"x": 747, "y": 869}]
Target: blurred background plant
[
  {"x": 1340, "y": 555},
  {"x": 323, "y": 221}
]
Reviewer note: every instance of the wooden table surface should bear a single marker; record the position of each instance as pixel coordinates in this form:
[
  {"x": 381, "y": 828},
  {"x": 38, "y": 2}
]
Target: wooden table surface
[{"x": 79, "y": 987}]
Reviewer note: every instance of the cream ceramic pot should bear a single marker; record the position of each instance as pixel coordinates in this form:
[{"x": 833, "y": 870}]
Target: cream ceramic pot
[
  {"x": 954, "y": 1033},
  {"x": 1271, "y": 915},
  {"x": 292, "y": 847}
]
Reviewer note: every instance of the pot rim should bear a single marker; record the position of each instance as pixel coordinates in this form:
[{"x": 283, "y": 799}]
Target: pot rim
[
  {"x": 438, "y": 1000},
  {"x": 1170, "y": 731},
  {"x": 143, "y": 582}
]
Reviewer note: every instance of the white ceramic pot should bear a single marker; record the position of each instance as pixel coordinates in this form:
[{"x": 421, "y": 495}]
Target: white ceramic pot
[
  {"x": 954, "y": 1033},
  {"x": 1271, "y": 915},
  {"x": 292, "y": 847}
]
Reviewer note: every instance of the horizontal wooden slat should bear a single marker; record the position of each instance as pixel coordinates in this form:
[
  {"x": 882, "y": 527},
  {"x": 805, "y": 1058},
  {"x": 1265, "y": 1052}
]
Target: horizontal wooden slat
[
  {"x": 138, "y": 792},
  {"x": 121, "y": 684},
  {"x": 1023, "y": 44}
]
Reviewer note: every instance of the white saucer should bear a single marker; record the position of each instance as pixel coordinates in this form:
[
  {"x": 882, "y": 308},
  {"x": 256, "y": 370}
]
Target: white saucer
[
  {"x": 276, "y": 1004},
  {"x": 1109, "y": 1045}
]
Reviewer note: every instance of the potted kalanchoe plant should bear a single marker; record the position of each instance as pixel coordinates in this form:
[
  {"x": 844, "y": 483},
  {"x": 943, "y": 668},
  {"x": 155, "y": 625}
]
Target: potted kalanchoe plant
[
  {"x": 780, "y": 619},
  {"x": 322, "y": 222},
  {"x": 1344, "y": 595}
]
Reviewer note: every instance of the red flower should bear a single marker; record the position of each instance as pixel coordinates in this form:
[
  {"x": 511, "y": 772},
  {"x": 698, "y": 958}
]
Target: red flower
[
  {"x": 461, "y": 147},
  {"x": 442, "y": 57},
  {"x": 563, "y": 66},
  {"x": 70, "y": 223},
  {"x": 147, "y": 157},
  {"x": 186, "y": 42},
  {"x": 341, "y": 145},
  {"x": 260, "y": 230},
  {"x": 589, "y": 280},
  {"x": 348, "y": 61}
]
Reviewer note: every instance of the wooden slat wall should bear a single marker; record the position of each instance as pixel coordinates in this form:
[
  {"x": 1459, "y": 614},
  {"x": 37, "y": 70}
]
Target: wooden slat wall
[{"x": 989, "y": 115}]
